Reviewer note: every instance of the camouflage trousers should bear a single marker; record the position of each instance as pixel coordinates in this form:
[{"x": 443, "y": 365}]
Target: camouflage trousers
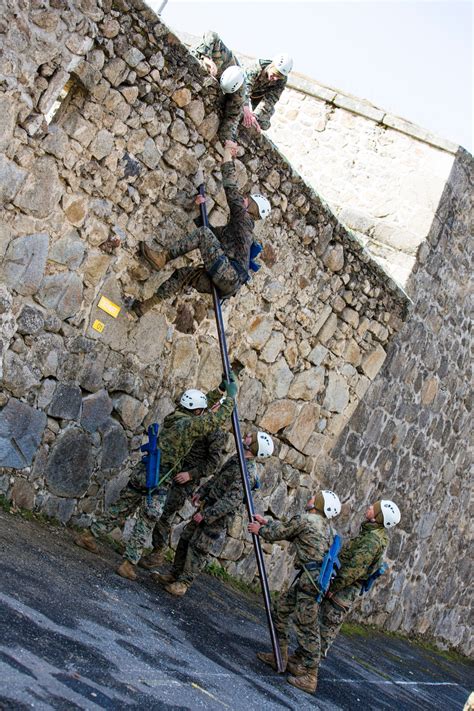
[
  {"x": 194, "y": 546},
  {"x": 224, "y": 276},
  {"x": 331, "y": 617},
  {"x": 300, "y": 605},
  {"x": 147, "y": 515},
  {"x": 177, "y": 495},
  {"x": 221, "y": 54}
]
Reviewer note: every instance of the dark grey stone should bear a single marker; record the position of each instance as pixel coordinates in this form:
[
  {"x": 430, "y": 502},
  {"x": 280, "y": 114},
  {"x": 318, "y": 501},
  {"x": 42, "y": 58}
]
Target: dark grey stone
[
  {"x": 70, "y": 464},
  {"x": 114, "y": 445},
  {"x": 60, "y": 508},
  {"x": 66, "y": 402},
  {"x": 62, "y": 293},
  {"x": 96, "y": 409},
  {"x": 30, "y": 321},
  {"x": 21, "y": 429}
]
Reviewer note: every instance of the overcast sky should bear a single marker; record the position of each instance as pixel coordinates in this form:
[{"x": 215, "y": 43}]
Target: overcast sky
[{"x": 413, "y": 59}]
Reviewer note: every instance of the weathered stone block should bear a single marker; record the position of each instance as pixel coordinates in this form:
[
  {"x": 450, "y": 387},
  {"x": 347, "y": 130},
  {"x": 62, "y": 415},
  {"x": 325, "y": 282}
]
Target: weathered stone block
[
  {"x": 25, "y": 262},
  {"x": 302, "y": 428},
  {"x": 102, "y": 145},
  {"x": 68, "y": 250},
  {"x": 96, "y": 409},
  {"x": 30, "y": 321},
  {"x": 114, "y": 445},
  {"x": 18, "y": 377},
  {"x": 21, "y": 429},
  {"x": 131, "y": 411},
  {"x": 373, "y": 361},
  {"x": 259, "y": 331},
  {"x": 66, "y": 402},
  {"x": 12, "y": 178},
  {"x": 23, "y": 494},
  {"x": 278, "y": 415},
  {"x": 70, "y": 464},
  {"x": 42, "y": 189},
  {"x": 273, "y": 347},
  {"x": 62, "y": 293},
  {"x": 336, "y": 397},
  {"x": 308, "y": 384}
]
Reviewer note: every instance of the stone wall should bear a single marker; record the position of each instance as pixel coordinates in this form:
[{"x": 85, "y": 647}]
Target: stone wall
[
  {"x": 381, "y": 175},
  {"x": 134, "y": 115},
  {"x": 410, "y": 438}
]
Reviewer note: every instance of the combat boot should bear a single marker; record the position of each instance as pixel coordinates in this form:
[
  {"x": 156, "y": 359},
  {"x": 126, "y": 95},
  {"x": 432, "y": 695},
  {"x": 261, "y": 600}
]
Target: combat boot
[
  {"x": 127, "y": 570},
  {"x": 295, "y": 666},
  {"x": 269, "y": 657},
  {"x": 153, "y": 559},
  {"x": 178, "y": 589},
  {"x": 156, "y": 259},
  {"x": 306, "y": 682},
  {"x": 86, "y": 540},
  {"x": 163, "y": 578}
]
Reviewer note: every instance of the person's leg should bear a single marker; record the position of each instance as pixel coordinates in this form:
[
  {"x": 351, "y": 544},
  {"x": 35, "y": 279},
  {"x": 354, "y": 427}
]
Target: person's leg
[
  {"x": 197, "y": 555},
  {"x": 331, "y": 617},
  {"x": 147, "y": 517},
  {"x": 174, "y": 501},
  {"x": 282, "y": 611},
  {"x": 307, "y": 634}
]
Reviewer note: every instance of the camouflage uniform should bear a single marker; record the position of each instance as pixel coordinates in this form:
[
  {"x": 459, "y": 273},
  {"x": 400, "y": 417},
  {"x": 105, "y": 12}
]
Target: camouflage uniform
[
  {"x": 232, "y": 105},
  {"x": 312, "y": 536},
  {"x": 179, "y": 432},
  {"x": 263, "y": 94},
  {"x": 201, "y": 462},
  {"x": 222, "y": 496},
  {"x": 359, "y": 558},
  {"x": 225, "y": 251}
]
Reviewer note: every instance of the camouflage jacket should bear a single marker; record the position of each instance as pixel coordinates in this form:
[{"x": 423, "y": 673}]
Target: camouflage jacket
[
  {"x": 180, "y": 430},
  {"x": 188, "y": 443},
  {"x": 224, "y": 493},
  {"x": 237, "y": 235},
  {"x": 359, "y": 558},
  {"x": 261, "y": 92},
  {"x": 232, "y": 104},
  {"x": 310, "y": 533}
]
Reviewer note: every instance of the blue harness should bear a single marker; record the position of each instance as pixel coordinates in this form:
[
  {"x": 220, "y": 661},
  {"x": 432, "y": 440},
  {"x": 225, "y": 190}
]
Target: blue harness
[{"x": 367, "y": 584}]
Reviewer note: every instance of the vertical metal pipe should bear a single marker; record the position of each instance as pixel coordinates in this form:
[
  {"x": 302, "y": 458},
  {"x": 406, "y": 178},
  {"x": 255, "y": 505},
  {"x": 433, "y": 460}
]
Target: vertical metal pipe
[{"x": 242, "y": 462}]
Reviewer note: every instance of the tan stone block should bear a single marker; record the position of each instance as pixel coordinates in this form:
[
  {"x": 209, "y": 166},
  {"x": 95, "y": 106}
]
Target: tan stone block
[
  {"x": 259, "y": 331},
  {"x": 307, "y": 384},
  {"x": 299, "y": 433},
  {"x": 279, "y": 414},
  {"x": 373, "y": 361},
  {"x": 75, "y": 208},
  {"x": 352, "y": 353},
  {"x": 182, "y": 97},
  {"x": 23, "y": 494},
  {"x": 429, "y": 391},
  {"x": 329, "y": 329}
]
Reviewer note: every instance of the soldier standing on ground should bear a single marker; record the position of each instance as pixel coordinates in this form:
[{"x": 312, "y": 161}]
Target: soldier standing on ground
[
  {"x": 220, "y": 498},
  {"x": 312, "y": 535},
  {"x": 266, "y": 79},
  {"x": 225, "y": 251},
  {"x": 178, "y": 434},
  {"x": 360, "y": 558}
]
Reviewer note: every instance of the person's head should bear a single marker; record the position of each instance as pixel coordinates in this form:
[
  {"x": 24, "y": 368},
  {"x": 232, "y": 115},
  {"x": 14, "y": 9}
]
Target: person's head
[
  {"x": 258, "y": 444},
  {"x": 281, "y": 65},
  {"x": 193, "y": 401},
  {"x": 232, "y": 79},
  {"x": 384, "y": 512},
  {"x": 258, "y": 206},
  {"x": 326, "y": 502}
]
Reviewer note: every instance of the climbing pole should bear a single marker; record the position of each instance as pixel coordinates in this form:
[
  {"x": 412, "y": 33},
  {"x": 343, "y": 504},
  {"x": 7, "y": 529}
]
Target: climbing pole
[{"x": 240, "y": 451}]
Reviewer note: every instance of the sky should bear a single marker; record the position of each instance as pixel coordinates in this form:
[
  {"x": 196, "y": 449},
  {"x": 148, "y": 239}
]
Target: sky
[{"x": 413, "y": 59}]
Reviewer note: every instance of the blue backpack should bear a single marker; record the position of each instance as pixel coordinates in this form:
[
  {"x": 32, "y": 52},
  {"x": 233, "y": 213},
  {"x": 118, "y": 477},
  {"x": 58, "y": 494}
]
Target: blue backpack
[
  {"x": 255, "y": 250},
  {"x": 151, "y": 460},
  {"x": 329, "y": 566}
]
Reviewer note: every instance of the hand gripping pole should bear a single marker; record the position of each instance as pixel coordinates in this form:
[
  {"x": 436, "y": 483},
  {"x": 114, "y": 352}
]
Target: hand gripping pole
[{"x": 240, "y": 451}]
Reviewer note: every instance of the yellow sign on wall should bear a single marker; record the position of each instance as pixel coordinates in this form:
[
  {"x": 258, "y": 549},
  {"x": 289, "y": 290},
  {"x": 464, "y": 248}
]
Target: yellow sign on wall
[
  {"x": 108, "y": 306},
  {"x": 98, "y": 325}
]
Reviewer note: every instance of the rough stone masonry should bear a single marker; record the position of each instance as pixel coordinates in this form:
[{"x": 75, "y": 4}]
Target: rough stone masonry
[{"x": 134, "y": 116}]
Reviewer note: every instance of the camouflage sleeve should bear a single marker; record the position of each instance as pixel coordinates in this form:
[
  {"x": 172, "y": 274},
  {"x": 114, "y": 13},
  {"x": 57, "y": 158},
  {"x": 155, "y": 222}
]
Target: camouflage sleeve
[
  {"x": 229, "y": 502},
  {"x": 251, "y": 75},
  {"x": 233, "y": 196},
  {"x": 208, "y": 45},
  {"x": 279, "y": 531},
  {"x": 266, "y": 108},
  {"x": 209, "y": 421},
  {"x": 214, "y": 396},
  {"x": 216, "y": 441},
  {"x": 355, "y": 559},
  {"x": 233, "y": 111}
]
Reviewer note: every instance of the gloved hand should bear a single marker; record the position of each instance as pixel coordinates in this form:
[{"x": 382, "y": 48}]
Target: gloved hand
[
  {"x": 231, "y": 387},
  {"x": 222, "y": 387}
]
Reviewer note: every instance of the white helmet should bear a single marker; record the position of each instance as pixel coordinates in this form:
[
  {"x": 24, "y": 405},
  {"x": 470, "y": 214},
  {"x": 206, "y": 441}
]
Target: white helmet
[
  {"x": 390, "y": 512},
  {"x": 265, "y": 445},
  {"x": 193, "y": 400},
  {"x": 231, "y": 79},
  {"x": 284, "y": 63},
  {"x": 332, "y": 505},
  {"x": 264, "y": 207}
]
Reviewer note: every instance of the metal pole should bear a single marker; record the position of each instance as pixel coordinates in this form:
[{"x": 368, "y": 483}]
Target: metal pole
[
  {"x": 242, "y": 461},
  {"x": 162, "y": 7}
]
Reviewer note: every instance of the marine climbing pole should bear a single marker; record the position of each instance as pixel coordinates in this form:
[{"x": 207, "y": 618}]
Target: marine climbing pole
[{"x": 240, "y": 451}]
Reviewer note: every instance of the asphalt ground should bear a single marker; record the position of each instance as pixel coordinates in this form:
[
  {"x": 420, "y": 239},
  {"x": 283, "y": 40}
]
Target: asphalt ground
[{"x": 74, "y": 635}]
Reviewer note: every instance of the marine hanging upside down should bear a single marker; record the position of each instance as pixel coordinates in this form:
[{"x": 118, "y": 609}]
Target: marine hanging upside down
[{"x": 226, "y": 252}]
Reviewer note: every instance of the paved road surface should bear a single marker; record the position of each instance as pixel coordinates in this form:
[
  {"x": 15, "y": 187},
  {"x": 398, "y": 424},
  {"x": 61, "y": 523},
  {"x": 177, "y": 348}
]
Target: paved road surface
[{"x": 74, "y": 635}]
